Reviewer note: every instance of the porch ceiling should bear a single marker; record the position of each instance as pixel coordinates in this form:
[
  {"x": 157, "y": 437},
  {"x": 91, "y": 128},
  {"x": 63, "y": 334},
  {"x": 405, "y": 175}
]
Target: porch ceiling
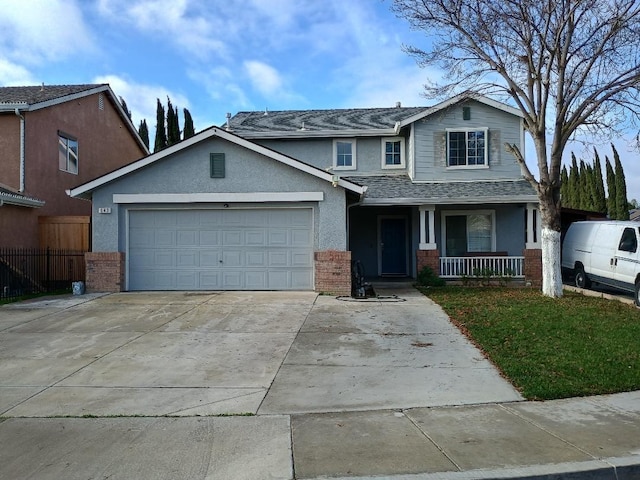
[{"x": 399, "y": 189}]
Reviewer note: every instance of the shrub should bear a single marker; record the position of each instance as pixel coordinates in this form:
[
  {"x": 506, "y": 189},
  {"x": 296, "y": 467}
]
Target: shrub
[{"x": 428, "y": 278}]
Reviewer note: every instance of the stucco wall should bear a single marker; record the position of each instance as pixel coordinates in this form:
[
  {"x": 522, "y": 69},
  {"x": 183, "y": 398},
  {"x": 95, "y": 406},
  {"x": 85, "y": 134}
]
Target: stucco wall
[
  {"x": 430, "y": 144},
  {"x": 104, "y": 144},
  {"x": 319, "y": 153},
  {"x": 188, "y": 171},
  {"x": 10, "y": 150}
]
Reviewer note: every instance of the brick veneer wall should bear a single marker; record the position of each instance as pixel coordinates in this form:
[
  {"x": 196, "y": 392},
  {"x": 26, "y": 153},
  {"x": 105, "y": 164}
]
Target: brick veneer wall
[
  {"x": 105, "y": 271},
  {"x": 428, "y": 258},
  {"x": 333, "y": 272},
  {"x": 533, "y": 266}
]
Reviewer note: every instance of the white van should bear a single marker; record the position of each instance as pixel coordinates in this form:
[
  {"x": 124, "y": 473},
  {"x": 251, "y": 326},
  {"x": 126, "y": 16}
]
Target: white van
[{"x": 604, "y": 252}]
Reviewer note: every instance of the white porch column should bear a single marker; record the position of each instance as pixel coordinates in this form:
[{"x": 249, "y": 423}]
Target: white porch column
[
  {"x": 427, "y": 227},
  {"x": 534, "y": 230}
]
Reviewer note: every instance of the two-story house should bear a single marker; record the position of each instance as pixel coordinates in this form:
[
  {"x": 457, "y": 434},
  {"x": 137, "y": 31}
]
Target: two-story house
[
  {"x": 288, "y": 199},
  {"x": 53, "y": 137}
]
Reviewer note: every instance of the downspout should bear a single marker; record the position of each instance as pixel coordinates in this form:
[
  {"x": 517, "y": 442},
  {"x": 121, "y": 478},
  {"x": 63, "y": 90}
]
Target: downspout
[{"x": 22, "y": 166}]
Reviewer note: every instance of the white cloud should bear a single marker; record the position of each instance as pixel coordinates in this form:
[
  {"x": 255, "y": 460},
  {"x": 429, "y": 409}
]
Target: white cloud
[
  {"x": 263, "y": 77},
  {"x": 14, "y": 75},
  {"x": 185, "y": 25},
  {"x": 42, "y": 30}
]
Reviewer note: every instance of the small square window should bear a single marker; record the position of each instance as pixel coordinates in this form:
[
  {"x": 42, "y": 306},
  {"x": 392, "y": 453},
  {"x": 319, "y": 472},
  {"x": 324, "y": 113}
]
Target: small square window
[
  {"x": 393, "y": 152},
  {"x": 217, "y": 165},
  {"x": 344, "y": 154},
  {"x": 67, "y": 153}
]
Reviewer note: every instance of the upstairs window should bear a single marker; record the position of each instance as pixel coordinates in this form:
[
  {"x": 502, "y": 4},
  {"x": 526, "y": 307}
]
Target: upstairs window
[
  {"x": 67, "y": 153},
  {"x": 393, "y": 152},
  {"x": 344, "y": 154},
  {"x": 467, "y": 148}
]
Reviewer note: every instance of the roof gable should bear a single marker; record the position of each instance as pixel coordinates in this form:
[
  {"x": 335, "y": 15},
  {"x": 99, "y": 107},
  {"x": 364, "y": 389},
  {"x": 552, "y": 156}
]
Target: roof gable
[
  {"x": 84, "y": 191},
  {"x": 30, "y": 98}
]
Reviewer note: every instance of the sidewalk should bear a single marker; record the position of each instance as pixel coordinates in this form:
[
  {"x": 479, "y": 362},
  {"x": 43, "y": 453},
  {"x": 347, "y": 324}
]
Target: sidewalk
[{"x": 594, "y": 438}]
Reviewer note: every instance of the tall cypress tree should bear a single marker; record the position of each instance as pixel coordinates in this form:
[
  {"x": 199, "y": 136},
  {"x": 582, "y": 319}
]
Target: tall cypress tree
[
  {"x": 574, "y": 182},
  {"x": 161, "y": 133},
  {"x": 565, "y": 192},
  {"x": 189, "y": 131},
  {"x": 125, "y": 108},
  {"x": 584, "y": 186},
  {"x": 611, "y": 190},
  {"x": 600, "y": 200},
  {"x": 143, "y": 131},
  {"x": 173, "y": 127},
  {"x": 622, "y": 206}
]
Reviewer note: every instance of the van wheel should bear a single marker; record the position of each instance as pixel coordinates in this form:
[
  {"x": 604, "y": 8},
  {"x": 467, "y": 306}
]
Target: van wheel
[
  {"x": 582, "y": 281},
  {"x": 636, "y": 297}
]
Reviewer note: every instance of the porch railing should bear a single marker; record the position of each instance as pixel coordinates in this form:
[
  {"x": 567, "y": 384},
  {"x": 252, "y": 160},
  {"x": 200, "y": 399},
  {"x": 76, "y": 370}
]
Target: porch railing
[{"x": 498, "y": 266}]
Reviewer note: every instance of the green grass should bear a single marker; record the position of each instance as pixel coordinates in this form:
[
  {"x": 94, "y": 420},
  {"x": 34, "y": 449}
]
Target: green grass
[
  {"x": 550, "y": 348},
  {"x": 65, "y": 291}
]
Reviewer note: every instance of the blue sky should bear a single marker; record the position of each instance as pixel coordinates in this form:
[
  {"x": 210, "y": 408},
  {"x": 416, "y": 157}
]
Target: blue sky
[{"x": 219, "y": 56}]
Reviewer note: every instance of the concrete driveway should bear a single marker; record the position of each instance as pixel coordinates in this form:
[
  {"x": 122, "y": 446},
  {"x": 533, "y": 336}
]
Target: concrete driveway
[{"x": 235, "y": 352}]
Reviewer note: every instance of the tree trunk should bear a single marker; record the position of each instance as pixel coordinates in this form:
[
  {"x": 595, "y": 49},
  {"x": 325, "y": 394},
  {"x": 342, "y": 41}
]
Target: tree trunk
[{"x": 550, "y": 216}]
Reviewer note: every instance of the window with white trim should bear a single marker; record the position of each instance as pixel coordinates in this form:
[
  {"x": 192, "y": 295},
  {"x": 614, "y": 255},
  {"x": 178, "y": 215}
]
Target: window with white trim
[
  {"x": 67, "y": 153},
  {"x": 393, "y": 152},
  {"x": 468, "y": 232},
  {"x": 344, "y": 154},
  {"x": 467, "y": 148}
]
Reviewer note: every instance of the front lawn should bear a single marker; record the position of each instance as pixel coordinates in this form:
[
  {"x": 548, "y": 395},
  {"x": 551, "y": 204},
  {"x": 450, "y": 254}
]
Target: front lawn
[{"x": 550, "y": 348}]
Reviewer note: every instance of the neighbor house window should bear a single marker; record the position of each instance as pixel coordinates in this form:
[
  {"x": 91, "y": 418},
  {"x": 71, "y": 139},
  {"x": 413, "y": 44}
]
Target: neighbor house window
[
  {"x": 393, "y": 152},
  {"x": 468, "y": 232},
  {"x": 467, "y": 148},
  {"x": 67, "y": 153},
  {"x": 344, "y": 154}
]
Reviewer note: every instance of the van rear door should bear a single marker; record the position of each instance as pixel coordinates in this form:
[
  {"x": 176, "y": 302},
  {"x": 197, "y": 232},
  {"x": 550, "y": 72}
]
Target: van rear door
[{"x": 626, "y": 259}]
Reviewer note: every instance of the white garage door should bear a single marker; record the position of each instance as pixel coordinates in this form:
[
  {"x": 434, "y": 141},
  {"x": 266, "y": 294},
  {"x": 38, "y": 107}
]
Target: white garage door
[{"x": 256, "y": 249}]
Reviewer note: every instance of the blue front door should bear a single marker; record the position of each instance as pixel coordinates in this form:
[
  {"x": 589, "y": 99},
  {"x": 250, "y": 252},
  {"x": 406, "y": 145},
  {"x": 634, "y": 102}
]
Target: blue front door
[{"x": 393, "y": 246}]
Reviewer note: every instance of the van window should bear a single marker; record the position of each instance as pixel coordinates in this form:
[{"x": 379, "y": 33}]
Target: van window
[{"x": 628, "y": 242}]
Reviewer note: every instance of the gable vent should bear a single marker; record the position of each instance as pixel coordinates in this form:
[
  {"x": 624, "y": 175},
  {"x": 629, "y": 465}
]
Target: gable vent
[{"x": 101, "y": 102}]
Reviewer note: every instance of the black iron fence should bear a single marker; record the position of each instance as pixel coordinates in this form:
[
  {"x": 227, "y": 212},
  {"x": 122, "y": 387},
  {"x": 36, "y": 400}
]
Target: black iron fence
[{"x": 26, "y": 271}]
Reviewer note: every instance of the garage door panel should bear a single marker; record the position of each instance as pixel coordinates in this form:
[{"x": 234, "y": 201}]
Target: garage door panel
[
  {"x": 278, "y": 258},
  {"x": 187, "y": 238},
  {"x": 232, "y": 258},
  {"x": 209, "y": 259},
  {"x": 255, "y": 238},
  {"x": 209, "y": 281},
  {"x": 302, "y": 279},
  {"x": 301, "y": 259},
  {"x": 189, "y": 258},
  {"x": 255, "y": 280},
  {"x": 187, "y": 280},
  {"x": 235, "y": 249},
  {"x": 210, "y": 238},
  {"x": 255, "y": 259},
  {"x": 278, "y": 237},
  {"x": 232, "y": 279}
]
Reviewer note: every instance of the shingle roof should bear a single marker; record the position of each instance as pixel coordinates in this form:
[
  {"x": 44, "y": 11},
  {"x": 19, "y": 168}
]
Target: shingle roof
[
  {"x": 40, "y": 93},
  {"x": 336, "y": 119},
  {"x": 401, "y": 188}
]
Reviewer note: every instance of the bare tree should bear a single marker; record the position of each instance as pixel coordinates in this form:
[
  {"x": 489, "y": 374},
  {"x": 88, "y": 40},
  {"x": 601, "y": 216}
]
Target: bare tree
[{"x": 571, "y": 67}]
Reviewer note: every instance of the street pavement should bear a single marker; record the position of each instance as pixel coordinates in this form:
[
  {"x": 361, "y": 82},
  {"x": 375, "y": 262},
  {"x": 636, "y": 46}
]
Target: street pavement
[{"x": 280, "y": 385}]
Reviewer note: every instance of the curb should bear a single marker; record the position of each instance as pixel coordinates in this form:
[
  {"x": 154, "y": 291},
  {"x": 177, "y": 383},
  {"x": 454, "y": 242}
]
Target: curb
[{"x": 622, "y": 468}]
